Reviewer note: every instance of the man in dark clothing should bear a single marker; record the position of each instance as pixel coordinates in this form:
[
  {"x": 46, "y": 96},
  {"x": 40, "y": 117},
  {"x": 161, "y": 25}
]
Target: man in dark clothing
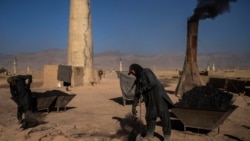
[
  {"x": 21, "y": 94},
  {"x": 156, "y": 100}
]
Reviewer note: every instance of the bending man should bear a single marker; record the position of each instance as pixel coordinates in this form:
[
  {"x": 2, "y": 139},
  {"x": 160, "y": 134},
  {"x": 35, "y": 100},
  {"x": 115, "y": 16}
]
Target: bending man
[
  {"x": 21, "y": 94},
  {"x": 156, "y": 100}
]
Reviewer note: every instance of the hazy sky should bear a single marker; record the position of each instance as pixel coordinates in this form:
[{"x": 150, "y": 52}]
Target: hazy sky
[{"x": 128, "y": 26}]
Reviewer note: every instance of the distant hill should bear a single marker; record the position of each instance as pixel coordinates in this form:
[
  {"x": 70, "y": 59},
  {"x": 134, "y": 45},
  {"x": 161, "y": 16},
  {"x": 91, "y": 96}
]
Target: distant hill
[
  {"x": 110, "y": 60},
  {"x": 35, "y": 61}
]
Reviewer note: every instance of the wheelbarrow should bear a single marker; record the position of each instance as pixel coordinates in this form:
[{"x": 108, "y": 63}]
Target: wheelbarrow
[{"x": 204, "y": 107}]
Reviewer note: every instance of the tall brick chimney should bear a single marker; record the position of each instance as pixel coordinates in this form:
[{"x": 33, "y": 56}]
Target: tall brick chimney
[
  {"x": 80, "y": 46},
  {"x": 190, "y": 76}
]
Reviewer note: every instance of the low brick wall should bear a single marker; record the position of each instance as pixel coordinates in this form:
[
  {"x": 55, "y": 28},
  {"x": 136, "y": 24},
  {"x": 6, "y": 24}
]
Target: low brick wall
[
  {"x": 234, "y": 73},
  {"x": 229, "y": 84},
  {"x": 50, "y": 76}
]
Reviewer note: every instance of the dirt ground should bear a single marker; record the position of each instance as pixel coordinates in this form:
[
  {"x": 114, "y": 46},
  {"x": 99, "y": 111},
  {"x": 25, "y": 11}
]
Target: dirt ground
[{"x": 97, "y": 113}]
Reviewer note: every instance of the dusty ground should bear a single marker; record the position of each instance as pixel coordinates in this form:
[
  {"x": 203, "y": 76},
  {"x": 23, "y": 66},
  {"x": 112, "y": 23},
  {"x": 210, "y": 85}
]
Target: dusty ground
[{"x": 97, "y": 114}]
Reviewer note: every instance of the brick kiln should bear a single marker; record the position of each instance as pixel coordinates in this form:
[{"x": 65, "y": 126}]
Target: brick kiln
[{"x": 200, "y": 106}]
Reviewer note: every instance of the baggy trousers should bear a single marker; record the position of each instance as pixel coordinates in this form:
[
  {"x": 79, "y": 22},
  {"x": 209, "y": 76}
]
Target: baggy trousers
[
  {"x": 165, "y": 121},
  {"x": 23, "y": 105}
]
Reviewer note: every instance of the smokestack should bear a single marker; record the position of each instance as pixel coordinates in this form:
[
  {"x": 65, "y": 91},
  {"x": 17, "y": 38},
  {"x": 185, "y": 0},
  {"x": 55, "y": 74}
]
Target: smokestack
[
  {"x": 190, "y": 76},
  {"x": 120, "y": 64},
  {"x": 15, "y": 65},
  {"x": 80, "y": 47}
]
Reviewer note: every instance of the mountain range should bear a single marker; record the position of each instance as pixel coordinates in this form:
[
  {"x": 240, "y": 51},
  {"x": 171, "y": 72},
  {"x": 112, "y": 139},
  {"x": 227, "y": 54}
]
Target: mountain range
[{"x": 111, "y": 60}]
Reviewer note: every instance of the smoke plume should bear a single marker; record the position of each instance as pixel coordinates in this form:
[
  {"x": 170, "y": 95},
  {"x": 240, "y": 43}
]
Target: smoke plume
[{"x": 211, "y": 8}]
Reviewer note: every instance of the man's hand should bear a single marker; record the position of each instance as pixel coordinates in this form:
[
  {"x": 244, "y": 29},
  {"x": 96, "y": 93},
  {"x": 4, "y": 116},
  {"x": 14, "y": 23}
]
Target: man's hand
[
  {"x": 141, "y": 99},
  {"x": 134, "y": 110}
]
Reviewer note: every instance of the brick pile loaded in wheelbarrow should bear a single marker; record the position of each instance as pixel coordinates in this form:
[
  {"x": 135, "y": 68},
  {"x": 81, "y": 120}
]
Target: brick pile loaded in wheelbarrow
[
  {"x": 206, "y": 98},
  {"x": 204, "y": 107}
]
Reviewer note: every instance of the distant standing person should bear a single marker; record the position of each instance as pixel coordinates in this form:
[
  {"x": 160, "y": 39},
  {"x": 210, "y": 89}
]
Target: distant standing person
[
  {"x": 156, "y": 100},
  {"x": 21, "y": 94},
  {"x": 100, "y": 74}
]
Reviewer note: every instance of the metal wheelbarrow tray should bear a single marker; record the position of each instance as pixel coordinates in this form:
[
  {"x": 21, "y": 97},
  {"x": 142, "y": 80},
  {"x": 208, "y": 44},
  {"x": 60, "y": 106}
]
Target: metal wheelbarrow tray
[
  {"x": 44, "y": 102},
  {"x": 204, "y": 107},
  {"x": 126, "y": 85},
  {"x": 54, "y": 98},
  {"x": 201, "y": 119},
  {"x": 63, "y": 100}
]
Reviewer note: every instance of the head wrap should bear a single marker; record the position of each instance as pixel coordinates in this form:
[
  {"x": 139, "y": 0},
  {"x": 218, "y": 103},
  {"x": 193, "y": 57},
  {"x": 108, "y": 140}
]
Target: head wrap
[
  {"x": 137, "y": 68},
  {"x": 10, "y": 80}
]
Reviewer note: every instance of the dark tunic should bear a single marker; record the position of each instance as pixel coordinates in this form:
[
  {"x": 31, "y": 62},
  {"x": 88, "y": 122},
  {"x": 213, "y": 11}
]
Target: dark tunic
[
  {"x": 154, "y": 94},
  {"x": 20, "y": 92}
]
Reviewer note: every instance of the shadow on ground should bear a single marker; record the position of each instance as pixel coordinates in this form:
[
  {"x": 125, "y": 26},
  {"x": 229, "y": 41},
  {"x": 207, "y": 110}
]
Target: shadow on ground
[
  {"x": 119, "y": 100},
  {"x": 34, "y": 119},
  {"x": 131, "y": 127}
]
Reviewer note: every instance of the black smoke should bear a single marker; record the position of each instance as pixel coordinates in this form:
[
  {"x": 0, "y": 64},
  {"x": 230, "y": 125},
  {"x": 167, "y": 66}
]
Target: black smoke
[{"x": 211, "y": 8}]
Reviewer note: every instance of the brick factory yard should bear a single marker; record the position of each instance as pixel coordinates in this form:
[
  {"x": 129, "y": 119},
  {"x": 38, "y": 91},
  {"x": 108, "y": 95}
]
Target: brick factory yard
[{"x": 96, "y": 113}]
